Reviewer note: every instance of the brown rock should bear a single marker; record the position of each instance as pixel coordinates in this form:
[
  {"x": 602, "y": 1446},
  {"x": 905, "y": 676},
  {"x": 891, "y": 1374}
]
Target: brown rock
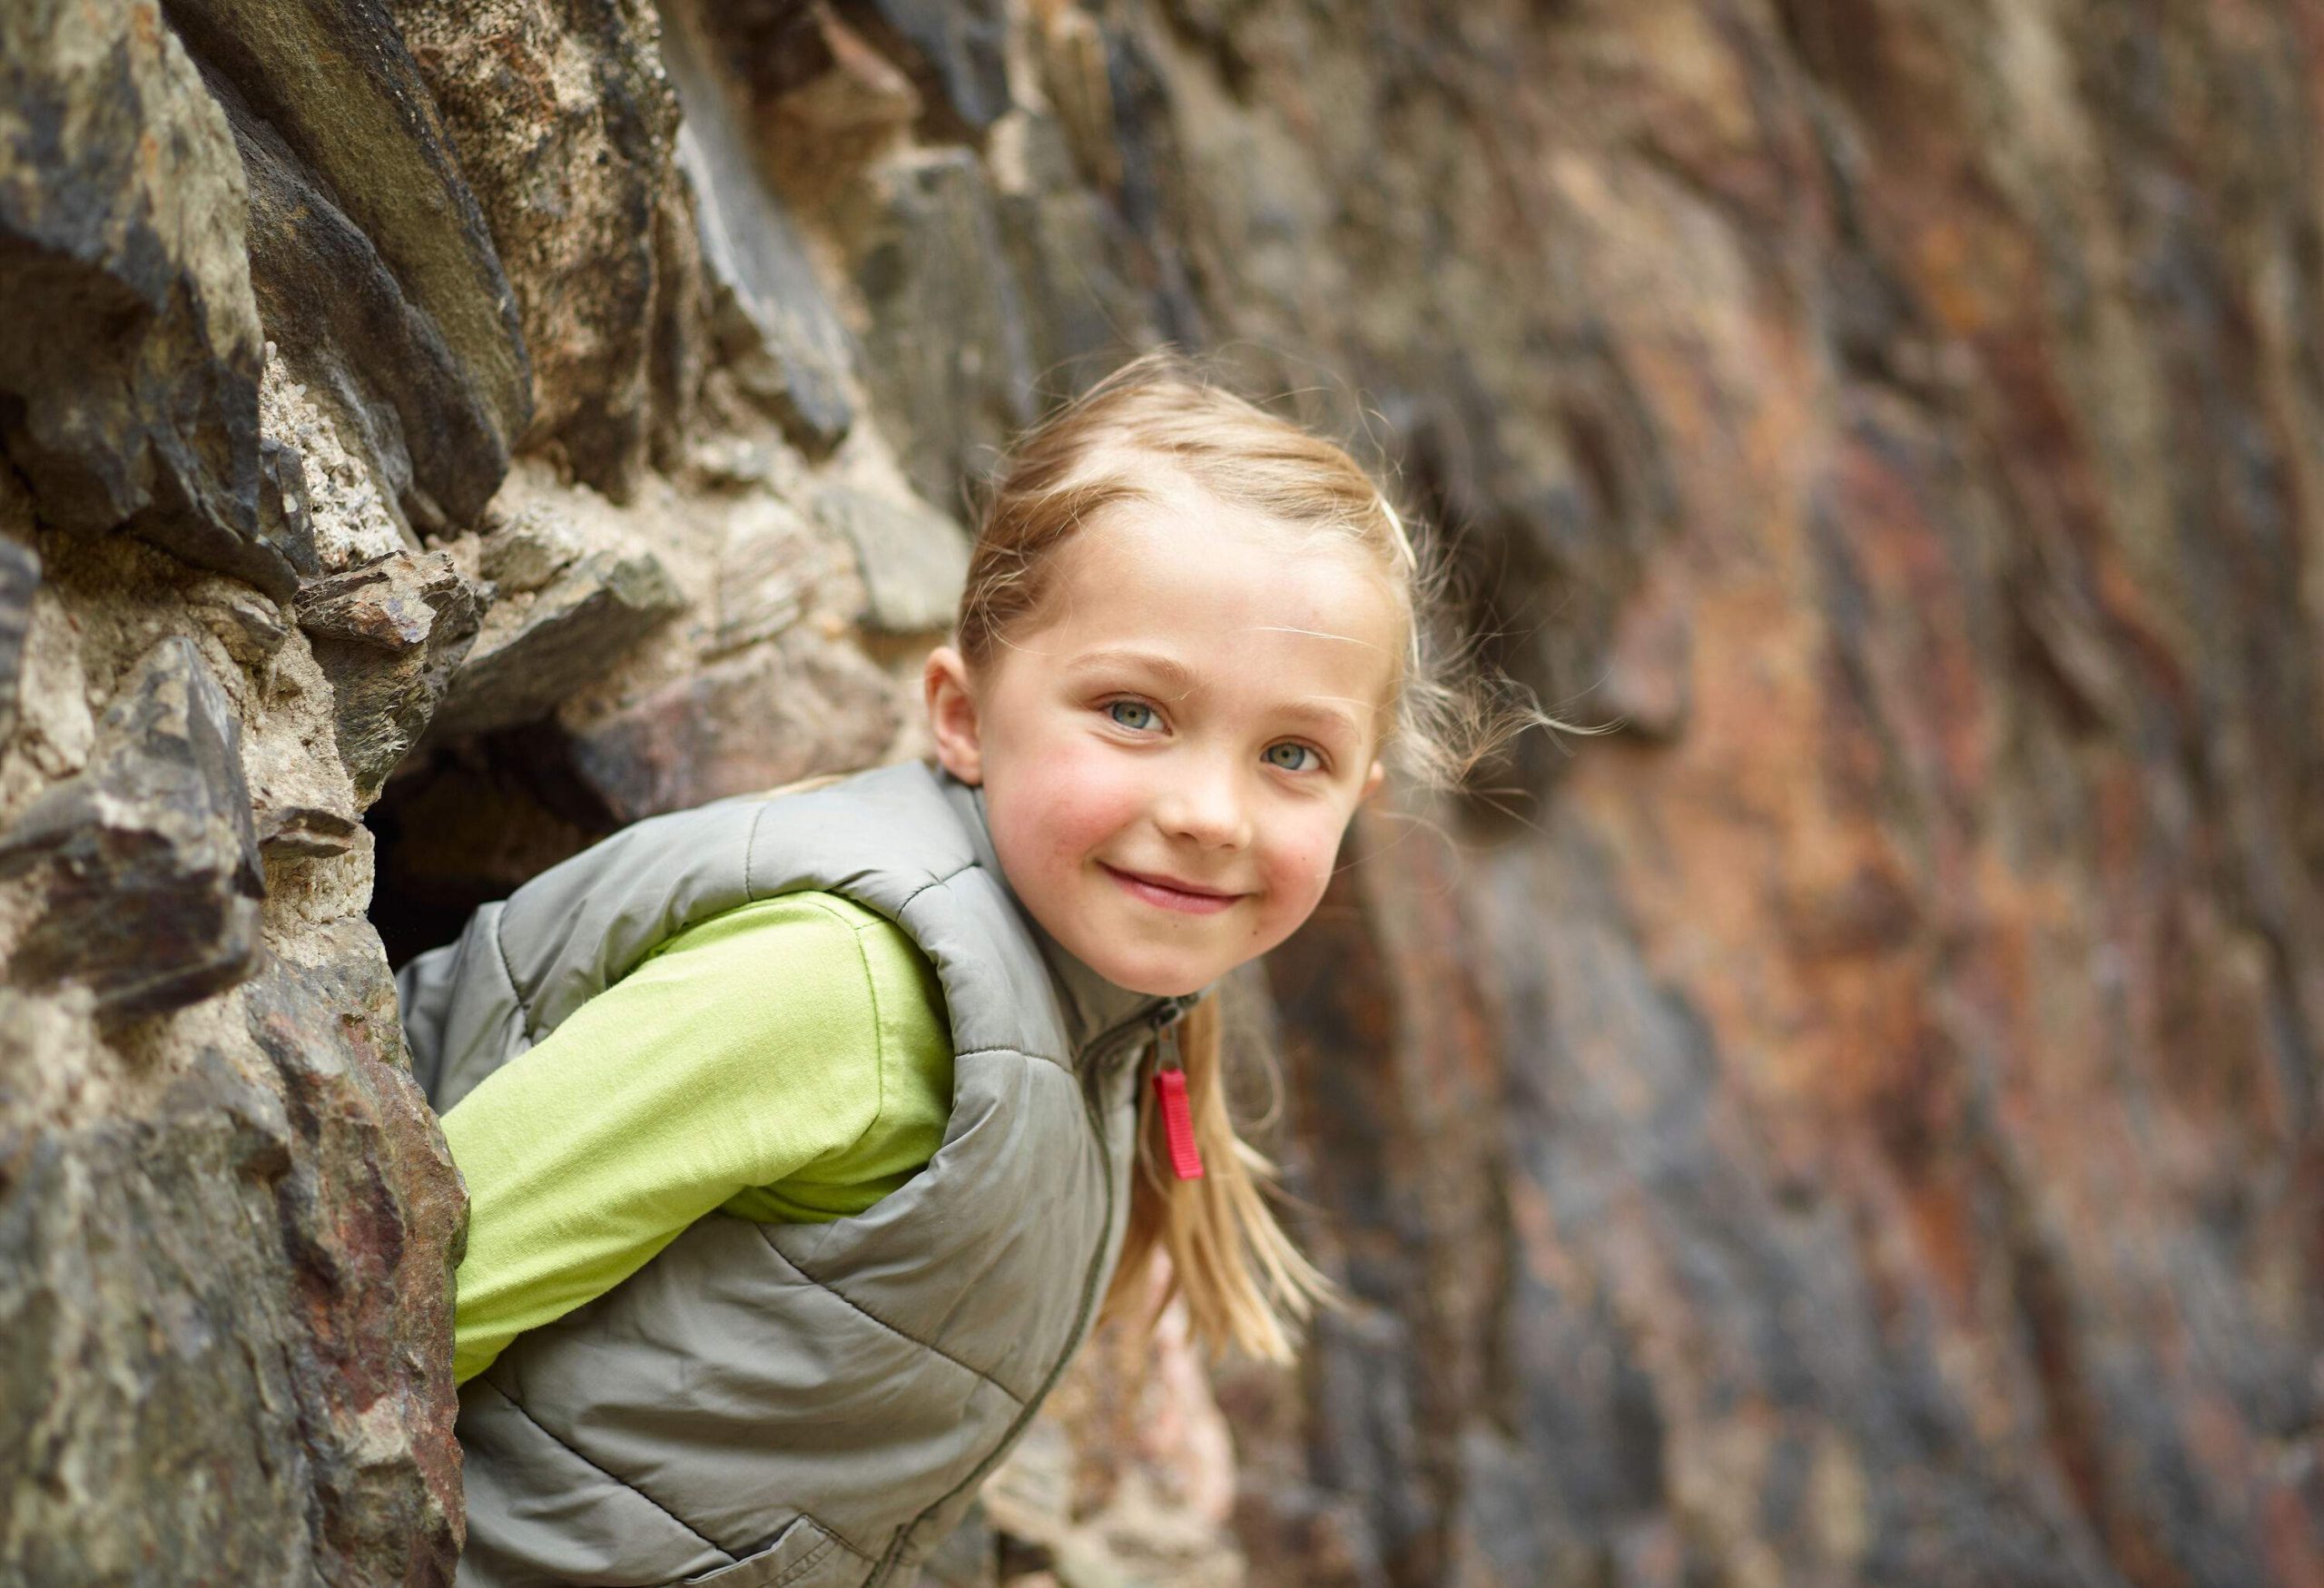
[
  {"x": 767, "y": 570},
  {"x": 958, "y": 54},
  {"x": 563, "y": 123},
  {"x": 525, "y": 552},
  {"x": 388, "y": 635},
  {"x": 132, "y": 362},
  {"x": 372, "y": 1218},
  {"x": 147, "y": 864},
  {"x": 776, "y": 331},
  {"x": 373, "y": 269},
  {"x": 913, "y": 559},
  {"x": 768, "y": 717},
  {"x": 530, "y": 656}
]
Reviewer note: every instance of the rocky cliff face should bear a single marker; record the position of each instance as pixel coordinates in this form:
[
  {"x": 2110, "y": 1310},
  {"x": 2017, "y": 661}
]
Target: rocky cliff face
[{"x": 1854, "y": 1123}]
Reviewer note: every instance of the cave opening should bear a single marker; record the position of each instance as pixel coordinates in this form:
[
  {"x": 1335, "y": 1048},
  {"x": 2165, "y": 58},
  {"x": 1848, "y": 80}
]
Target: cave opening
[{"x": 464, "y": 822}]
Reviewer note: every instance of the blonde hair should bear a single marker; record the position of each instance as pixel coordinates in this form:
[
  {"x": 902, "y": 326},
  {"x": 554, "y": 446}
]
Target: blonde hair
[{"x": 1244, "y": 1282}]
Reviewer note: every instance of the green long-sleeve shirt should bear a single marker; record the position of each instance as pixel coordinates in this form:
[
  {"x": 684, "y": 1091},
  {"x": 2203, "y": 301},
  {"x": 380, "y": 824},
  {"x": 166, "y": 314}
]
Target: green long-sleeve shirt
[{"x": 788, "y": 1061}]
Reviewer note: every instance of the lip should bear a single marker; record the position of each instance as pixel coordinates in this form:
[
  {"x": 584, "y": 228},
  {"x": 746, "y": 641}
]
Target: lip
[{"x": 1169, "y": 894}]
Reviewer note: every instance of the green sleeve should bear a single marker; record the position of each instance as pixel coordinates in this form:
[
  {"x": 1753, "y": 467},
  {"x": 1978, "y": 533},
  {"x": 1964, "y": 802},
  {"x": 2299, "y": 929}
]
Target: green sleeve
[{"x": 788, "y": 1058}]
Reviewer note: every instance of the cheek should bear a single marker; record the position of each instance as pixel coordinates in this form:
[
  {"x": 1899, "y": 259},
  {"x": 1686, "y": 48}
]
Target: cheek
[
  {"x": 1300, "y": 866},
  {"x": 1061, "y": 806}
]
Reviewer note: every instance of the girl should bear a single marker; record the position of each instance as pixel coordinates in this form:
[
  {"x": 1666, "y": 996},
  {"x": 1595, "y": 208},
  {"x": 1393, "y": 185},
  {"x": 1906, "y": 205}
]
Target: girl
[{"x": 807, "y": 1134}]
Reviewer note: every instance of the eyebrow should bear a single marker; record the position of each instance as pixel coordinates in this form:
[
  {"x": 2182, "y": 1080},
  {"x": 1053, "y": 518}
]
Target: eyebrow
[
  {"x": 1172, "y": 671},
  {"x": 1177, "y": 676}
]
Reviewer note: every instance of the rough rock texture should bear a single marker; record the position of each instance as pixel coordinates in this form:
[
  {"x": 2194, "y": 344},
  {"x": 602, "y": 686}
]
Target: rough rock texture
[
  {"x": 563, "y": 121},
  {"x": 913, "y": 558},
  {"x": 388, "y": 635},
  {"x": 148, "y": 865},
  {"x": 532, "y": 655},
  {"x": 758, "y": 721},
  {"x": 129, "y": 376},
  {"x": 374, "y": 273},
  {"x": 19, "y": 579},
  {"x": 1854, "y": 1123},
  {"x": 774, "y": 326},
  {"x": 227, "y": 1220},
  {"x": 946, "y": 355}
]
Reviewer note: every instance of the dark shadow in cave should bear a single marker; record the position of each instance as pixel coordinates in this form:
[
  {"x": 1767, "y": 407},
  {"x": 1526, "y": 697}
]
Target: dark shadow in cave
[{"x": 462, "y": 823}]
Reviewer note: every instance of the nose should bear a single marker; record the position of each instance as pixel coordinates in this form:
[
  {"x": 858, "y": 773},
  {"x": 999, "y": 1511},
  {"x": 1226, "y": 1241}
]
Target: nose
[{"x": 1205, "y": 804}]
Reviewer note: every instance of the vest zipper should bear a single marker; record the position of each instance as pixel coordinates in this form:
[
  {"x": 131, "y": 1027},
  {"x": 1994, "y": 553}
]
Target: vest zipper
[{"x": 1098, "y": 1060}]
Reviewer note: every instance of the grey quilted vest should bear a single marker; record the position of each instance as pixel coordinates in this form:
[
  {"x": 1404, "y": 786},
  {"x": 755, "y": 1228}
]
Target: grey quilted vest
[{"x": 813, "y": 1405}]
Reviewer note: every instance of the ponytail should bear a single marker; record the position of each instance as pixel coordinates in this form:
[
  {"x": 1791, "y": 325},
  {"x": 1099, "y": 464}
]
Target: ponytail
[{"x": 1246, "y": 1285}]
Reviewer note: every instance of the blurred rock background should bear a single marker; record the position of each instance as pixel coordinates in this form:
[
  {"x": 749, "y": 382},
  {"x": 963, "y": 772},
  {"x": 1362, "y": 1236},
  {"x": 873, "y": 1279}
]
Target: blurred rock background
[{"x": 1855, "y": 1124}]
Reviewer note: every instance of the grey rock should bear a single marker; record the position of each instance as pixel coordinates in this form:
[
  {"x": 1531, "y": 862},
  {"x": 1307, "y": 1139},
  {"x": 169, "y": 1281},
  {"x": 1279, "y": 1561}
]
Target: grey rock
[
  {"x": 769, "y": 717},
  {"x": 575, "y": 629},
  {"x": 247, "y": 624},
  {"x": 388, "y": 635},
  {"x": 129, "y": 371},
  {"x": 371, "y": 1215},
  {"x": 371, "y": 264},
  {"x": 766, "y": 570},
  {"x": 775, "y": 328},
  {"x": 956, "y": 50},
  {"x": 947, "y": 357},
  {"x": 530, "y": 550},
  {"x": 284, "y": 523},
  {"x": 1071, "y": 261},
  {"x": 143, "y": 1326},
  {"x": 19, "y": 582},
  {"x": 913, "y": 558},
  {"x": 563, "y": 123},
  {"x": 307, "y": 831},
  {"x": 150, "y": 881}
]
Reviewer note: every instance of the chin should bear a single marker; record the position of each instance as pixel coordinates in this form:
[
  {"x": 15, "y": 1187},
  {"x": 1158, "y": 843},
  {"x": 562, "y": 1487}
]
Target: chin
[{"x": 1156, "y": 981}]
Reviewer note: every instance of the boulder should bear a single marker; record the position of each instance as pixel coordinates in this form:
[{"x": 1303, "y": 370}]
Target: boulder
[
  {"x": 1072, "y": 266},
  {"x": 309, "y": 832},
  {"x": 767, "y": 569},
  {"x": 775, "y": 328},
  {"x": 388, "y": 635},
  {"x": 533, "y": 655},
  {"x": 769, "y": 717},
  {"x": 530, "y": 550},
  {"x": 564, "y": 122},
  {"x": 149, "y": 1429},
  {"x": 913, "y": 558},
  {"x": 946, "y": 356},
  {"x": 822, "y": 101},
  {"x": 371, "y": 1218},
  {"x": 955, "y": 51},
  {"x": 372, "y": 266},
  {"x": 129, "y": 373},
  {"x": 149, "y": 873}
]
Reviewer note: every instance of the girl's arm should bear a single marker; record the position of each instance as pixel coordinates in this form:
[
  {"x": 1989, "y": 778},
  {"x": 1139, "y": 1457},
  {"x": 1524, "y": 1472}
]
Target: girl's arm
[{"x": 797, "y": 1033}]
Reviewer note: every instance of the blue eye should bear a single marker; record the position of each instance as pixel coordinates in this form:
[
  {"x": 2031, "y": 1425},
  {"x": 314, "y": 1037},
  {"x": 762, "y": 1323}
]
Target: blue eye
[
  {"x": 1274, "y": 758},
  {"x": 1143, "y": 713}
]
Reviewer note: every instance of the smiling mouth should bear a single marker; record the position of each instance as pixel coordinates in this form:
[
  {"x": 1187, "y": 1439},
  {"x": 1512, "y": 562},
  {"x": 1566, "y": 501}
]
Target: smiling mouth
[{"x": 1170, "y": 895}]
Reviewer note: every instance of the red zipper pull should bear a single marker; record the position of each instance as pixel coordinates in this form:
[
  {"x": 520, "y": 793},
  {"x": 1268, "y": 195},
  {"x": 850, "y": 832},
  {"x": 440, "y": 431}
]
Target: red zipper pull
[{"x": 1177, "y": 1119}]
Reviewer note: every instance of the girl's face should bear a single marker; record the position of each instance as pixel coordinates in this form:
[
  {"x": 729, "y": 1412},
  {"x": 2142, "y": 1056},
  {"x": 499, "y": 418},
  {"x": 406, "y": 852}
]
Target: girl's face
[{"x": 1171, "y": 753}]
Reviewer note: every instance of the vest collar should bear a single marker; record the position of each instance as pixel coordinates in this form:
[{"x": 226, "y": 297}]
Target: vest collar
[{"x": 1093, "y": 1006}]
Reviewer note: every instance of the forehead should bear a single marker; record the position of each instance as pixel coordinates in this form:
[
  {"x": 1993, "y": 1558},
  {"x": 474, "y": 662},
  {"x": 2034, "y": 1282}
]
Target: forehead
[{"x": 1243, "y": 602}]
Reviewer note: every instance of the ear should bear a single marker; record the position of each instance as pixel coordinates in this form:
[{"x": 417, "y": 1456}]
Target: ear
[
  {"x": 1372, "y": 781},
  {"x": 953, "y": 714}
]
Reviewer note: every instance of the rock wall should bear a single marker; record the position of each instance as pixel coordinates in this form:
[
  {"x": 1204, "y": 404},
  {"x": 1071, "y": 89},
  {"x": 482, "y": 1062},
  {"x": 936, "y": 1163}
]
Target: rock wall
[{"x": 1853, "y": 1124}]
